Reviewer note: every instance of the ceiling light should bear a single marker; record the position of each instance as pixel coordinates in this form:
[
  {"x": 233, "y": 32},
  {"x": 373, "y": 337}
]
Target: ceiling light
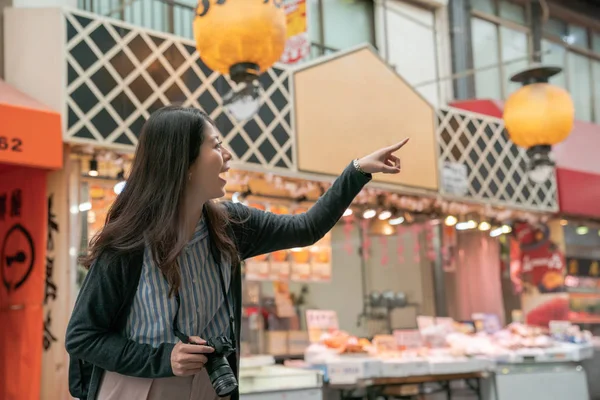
[
  {"x": 93, "y": 171},
  {"x": 451, "y": 220},
  {"x": 484, "y": 226},
  {"x": 384, "y": 215},
  {"x": 463, "y": 226},
  {"x": 396, "y": 221},
  {"x": 368, "y": 214}
]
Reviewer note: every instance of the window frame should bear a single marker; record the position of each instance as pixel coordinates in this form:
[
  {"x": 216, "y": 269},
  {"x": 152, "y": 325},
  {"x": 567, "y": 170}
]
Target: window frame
[{"x": 561, "y": 13}]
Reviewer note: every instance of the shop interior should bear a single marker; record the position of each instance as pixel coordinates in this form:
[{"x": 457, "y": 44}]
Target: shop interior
[
  {"x": 395, "y": 265},
  {"x": 394, "y": 257}
]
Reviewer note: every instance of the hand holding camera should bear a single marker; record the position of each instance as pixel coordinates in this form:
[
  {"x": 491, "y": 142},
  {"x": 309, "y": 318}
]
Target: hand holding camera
[{"x": 189, "y": 359}]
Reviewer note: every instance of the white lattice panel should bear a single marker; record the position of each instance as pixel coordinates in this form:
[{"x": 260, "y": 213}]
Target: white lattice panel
[
  {"x": 118, "y": 74},
  {"x": 497, "y": 169}
]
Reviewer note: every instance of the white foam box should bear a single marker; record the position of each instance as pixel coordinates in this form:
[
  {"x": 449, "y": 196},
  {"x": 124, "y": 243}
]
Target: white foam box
[
  {"x": 399, "y": 368},
  {"x": 349, "y": 370},
  {"x": 457, "y": 366},
  {"x": 567, "y": 352}
]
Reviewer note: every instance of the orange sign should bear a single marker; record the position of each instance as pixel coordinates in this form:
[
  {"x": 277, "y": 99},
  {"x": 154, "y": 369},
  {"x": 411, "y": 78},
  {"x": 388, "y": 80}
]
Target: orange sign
[
  {"x": 23, "y": 227},
  {"x": 29, "y": 134}
]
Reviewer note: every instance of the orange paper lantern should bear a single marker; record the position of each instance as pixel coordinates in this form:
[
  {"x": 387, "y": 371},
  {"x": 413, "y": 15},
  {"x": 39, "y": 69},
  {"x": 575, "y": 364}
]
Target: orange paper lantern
[
  {"x": 539, "y": 114},
  {"x": 242, "y": 38}
]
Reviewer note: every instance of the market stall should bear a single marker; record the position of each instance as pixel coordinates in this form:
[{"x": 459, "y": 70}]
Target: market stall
[{"x": 509, "y": 363}]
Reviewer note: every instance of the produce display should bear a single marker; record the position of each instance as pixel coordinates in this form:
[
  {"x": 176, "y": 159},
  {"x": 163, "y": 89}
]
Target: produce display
[{"x": 445, "y": 349}]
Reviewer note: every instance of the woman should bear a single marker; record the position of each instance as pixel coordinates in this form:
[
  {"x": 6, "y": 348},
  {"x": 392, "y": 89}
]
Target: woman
[{"x": 167, "y": 263}]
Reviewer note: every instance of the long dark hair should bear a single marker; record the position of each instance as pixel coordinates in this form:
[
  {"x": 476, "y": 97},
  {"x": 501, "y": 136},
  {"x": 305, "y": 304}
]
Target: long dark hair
[{"x": 149, "y": 210}]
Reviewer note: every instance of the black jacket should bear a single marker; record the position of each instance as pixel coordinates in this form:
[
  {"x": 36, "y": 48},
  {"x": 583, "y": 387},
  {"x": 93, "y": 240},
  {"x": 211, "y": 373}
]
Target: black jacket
[{"x": 94, "y": 334}]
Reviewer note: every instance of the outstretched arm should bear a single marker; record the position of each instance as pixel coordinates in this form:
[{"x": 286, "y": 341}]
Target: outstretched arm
[{"x": 263, "y": 232}]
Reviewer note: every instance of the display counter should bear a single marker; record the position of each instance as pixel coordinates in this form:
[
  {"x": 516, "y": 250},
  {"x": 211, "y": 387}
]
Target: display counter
[
  {"x": 260, "y": 379},
  {"x": 539, "y": 380},
  {"x": 509, "y": 364}
]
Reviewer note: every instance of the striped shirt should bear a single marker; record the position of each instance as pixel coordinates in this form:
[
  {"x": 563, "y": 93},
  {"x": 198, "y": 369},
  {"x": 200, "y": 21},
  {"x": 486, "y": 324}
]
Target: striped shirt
[{"x": 203, "y": 311}]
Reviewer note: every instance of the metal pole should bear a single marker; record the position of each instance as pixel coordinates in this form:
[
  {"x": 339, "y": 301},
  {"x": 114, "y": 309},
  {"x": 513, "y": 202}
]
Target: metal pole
[
  {"x": 536, "y": 29},
  {"x": 462, "y": 54},
  {"x": 386, "y": 47}
]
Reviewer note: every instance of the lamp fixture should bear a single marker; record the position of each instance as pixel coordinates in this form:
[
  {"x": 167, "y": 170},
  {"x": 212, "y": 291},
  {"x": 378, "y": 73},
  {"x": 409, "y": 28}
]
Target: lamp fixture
[{"x": 93, "y": 169}]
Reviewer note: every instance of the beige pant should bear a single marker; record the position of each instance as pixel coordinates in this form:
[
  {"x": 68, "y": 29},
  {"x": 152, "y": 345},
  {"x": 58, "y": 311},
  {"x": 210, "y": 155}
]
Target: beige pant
[{"x": 120, "y": 387}]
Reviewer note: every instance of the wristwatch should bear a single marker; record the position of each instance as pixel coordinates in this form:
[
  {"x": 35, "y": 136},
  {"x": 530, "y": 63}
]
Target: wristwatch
[{"x": 358, "y": 168}]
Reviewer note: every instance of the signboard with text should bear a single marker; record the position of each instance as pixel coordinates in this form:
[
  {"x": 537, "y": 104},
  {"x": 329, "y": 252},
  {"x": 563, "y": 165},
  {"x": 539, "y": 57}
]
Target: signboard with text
[{"x": 22, "y": 263}]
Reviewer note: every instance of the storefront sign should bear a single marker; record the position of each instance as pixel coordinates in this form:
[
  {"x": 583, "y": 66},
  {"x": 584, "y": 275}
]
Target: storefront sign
[
  {"x": 455, "y": 179},
  {"x": 583, "y": 267},
  {"x": 28, "y": 136},
  {"x": 408, "y": 338},
  {"x": 538, "y": 266},
  {"x": 22, "y": 262},
  {"x": 297, "y": 45},
  {"x": 489, "y": 323},
  {"x": 319, "y": 322}
]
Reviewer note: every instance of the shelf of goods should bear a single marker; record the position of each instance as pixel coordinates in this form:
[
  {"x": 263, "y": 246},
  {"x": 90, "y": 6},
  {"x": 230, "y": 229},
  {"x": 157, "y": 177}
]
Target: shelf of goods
[
  {"x": 515, "y": 357},
  {"x": 261, "y": 379}
]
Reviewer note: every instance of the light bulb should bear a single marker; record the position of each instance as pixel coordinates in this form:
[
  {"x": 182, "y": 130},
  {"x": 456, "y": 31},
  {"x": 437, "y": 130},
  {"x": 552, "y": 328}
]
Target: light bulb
[
  {"x": 87, "y": 206},
  {"x": 540, "y": 173},
  {"x": 384, "y": 215},
  {"x": 93, "y": 170},
  {"x": 496, "y": 232},
  {"x": 484, "y": 226},
  {"x": 451, "y": 220},
  {"x": 463, "y": 226},
  {"x": 396, "y": 221},
  {"x": 582, "y": 230},
  {"x": 119, "y": 186},
  {"x": 348, "y": 212},
  {"x": 388, "y": 230},
  {"x": 541, "y": 165},
  {"x": 368, "y": 214},
  {"x": 244, "y": 102}
]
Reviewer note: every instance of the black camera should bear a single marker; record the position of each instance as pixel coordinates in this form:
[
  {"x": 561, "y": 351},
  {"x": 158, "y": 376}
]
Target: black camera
[{"x": 219, "y": 371}]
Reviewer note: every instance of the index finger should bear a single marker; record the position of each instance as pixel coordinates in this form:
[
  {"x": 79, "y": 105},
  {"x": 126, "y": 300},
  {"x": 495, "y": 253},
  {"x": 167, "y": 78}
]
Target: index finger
[
  {"x": 397, "y": 146},
  {"x": 196, "y": 349}
]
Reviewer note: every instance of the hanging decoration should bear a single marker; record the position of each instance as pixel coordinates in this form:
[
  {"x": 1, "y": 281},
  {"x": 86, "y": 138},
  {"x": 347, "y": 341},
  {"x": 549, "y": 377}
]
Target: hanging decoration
[
  {"x": 416, "y": 231},
  {"x": 429, "y": 239},
  {"x": 449, "y": 248},
  {"x": 348, "y": 226},
  {"x": 383, "y": 242},
  {"x": 538, "y": 116},
  {"x": 366, "y": 240},
  {"x": 400, "y": 235},
  {"x": 242, "y": 39}
]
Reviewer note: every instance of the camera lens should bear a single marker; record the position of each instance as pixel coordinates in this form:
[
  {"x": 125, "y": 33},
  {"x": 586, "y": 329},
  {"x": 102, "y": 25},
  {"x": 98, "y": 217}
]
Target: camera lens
[{"x": 221, "y": 376}]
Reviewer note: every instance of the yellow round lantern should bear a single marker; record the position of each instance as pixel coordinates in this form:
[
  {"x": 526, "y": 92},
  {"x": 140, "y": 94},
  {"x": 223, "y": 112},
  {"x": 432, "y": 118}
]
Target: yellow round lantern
[
  {"x": 539, "y": 114},
  {"x": 242, "y": 38}
]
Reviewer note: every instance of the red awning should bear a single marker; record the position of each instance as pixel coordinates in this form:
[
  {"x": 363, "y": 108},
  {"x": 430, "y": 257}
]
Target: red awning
[
  {"x": 30, "y": 133},
  {"x": 578, "y": 174}
]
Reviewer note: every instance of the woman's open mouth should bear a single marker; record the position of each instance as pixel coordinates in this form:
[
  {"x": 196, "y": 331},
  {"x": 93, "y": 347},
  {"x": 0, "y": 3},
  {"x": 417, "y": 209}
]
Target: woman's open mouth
[{"x": 224, "y": 175}]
